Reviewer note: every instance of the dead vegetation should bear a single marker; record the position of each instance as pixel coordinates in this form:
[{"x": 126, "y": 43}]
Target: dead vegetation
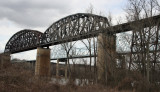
[{"x": 20, "y": 78}]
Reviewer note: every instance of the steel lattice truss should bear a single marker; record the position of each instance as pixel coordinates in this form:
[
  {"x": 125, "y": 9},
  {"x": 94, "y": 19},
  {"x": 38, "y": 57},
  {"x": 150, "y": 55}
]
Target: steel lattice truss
[
  {"x": 24, "y": 40},
  {"x": 74, "y": 27},
  {"x": 71, "y": 28}
]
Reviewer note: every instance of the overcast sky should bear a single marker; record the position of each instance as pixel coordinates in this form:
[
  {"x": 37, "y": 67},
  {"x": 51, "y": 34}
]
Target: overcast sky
[{"x": 16, "y": 15}]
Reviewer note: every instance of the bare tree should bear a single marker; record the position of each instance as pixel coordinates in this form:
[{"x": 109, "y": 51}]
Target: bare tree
[
  {"x": 88, "y": 46},
  {"x": 67, "y": 47},
  {"x": 143, "y": 38}
]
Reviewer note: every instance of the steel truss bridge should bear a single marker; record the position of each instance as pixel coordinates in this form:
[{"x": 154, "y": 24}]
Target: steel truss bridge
[
  {"x": 71, "y": 28},
  {"x": 84, "y": 25}
]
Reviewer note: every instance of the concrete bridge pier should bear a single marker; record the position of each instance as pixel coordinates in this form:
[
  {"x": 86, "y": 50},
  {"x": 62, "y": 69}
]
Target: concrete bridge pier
[
  {"x": 42, "y": 67},
  {"x": 105, "y": 56},
  {"x": 57, "y": 68},
  {"x": 60, "y": 68},
  {"x": 5, "y": 60}
]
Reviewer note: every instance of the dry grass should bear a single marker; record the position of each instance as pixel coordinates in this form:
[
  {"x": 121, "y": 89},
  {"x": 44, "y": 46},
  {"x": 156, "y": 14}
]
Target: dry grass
[{"x": 20, "y": 78}]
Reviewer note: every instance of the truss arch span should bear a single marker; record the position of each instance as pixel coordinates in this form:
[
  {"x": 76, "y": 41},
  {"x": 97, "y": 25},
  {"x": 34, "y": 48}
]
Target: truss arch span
[
  {"x": 74, "y": 27},
  {"x": 23, "y": 40}
]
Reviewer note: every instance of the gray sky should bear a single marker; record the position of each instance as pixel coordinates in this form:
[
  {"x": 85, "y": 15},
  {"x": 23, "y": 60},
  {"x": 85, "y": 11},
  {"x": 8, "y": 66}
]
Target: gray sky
[{"x": 16, "y": 15}]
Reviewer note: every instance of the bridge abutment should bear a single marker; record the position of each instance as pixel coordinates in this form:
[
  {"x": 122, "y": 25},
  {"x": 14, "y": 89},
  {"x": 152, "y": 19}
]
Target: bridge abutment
[
  {"x": 106, "y": 56},
  {"x": 42, "y": 68}
]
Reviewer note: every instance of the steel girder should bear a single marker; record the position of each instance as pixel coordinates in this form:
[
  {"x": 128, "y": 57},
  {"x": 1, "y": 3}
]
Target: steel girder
[{"x": 23, "y": 40}]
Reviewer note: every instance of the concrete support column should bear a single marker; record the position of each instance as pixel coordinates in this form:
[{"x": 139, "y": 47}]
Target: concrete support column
[
  {"x": 57, "y": 68},
  {"x": 5, "y": 60},
  {"x": 66, "y": 68},
  {"x": 42, "y": 68},
  {"x": 106, "y": 57},
  {"x": 123, "y": 63}
]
